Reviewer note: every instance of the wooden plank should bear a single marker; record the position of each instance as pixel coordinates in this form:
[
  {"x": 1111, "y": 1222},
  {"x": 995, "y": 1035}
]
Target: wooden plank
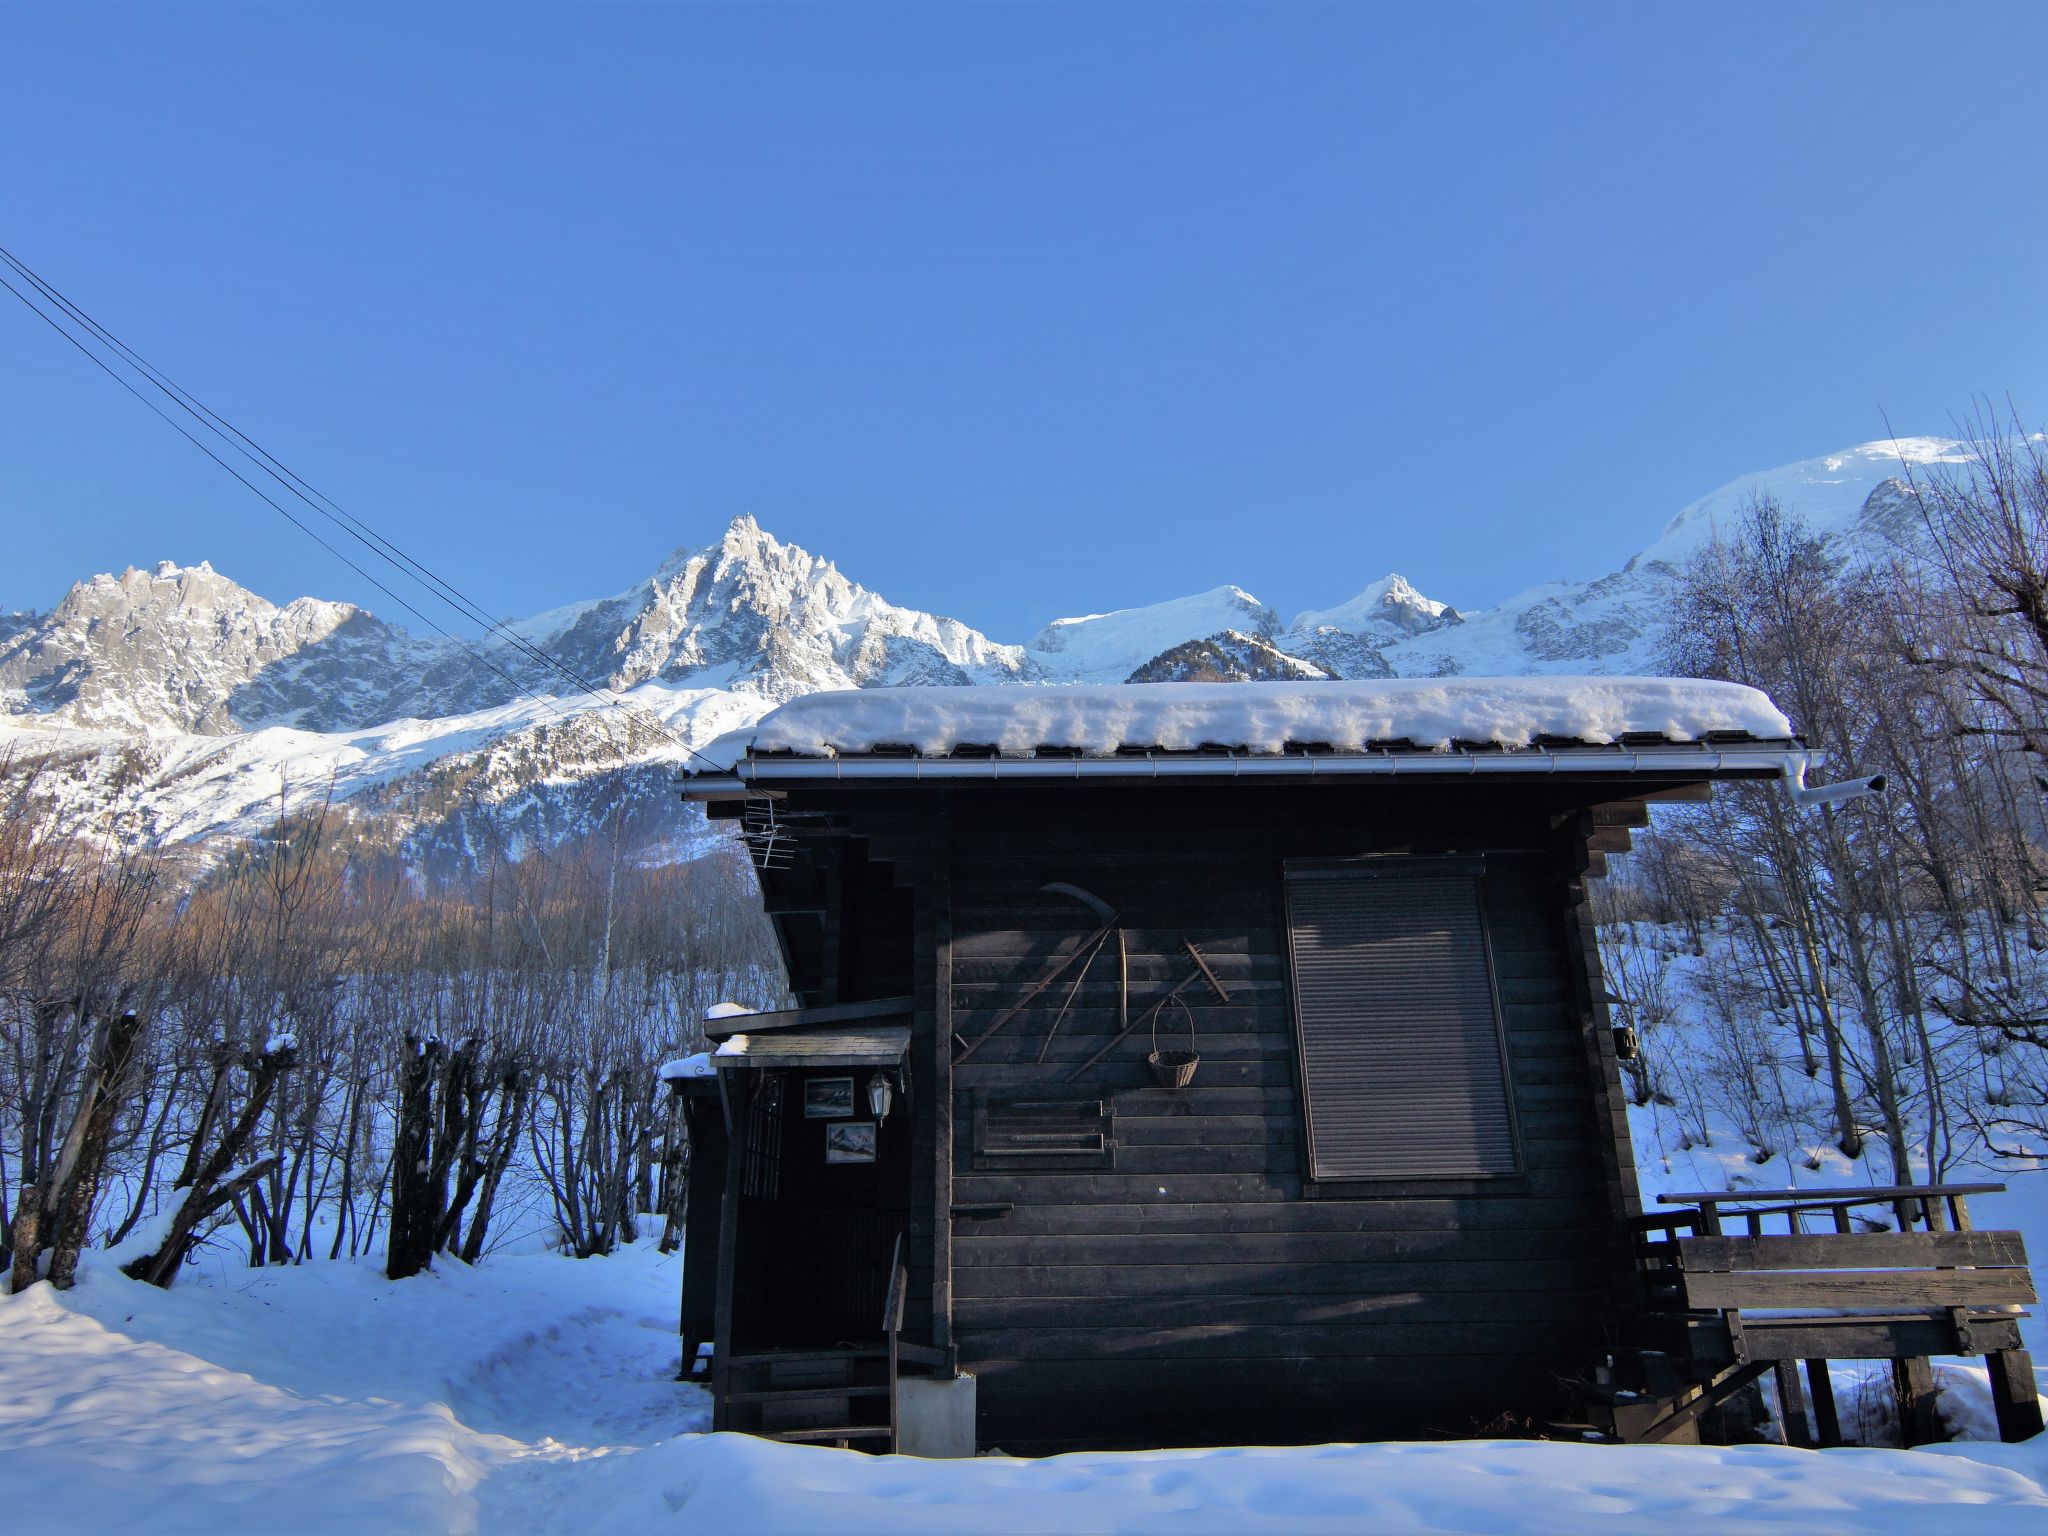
[
  {"x": 1849, "y": 1194},
  {"x": 1862, "y": 1338},
  {"x": 1124, "y": 1187},
  {"x": 1282, "y": 1157},
  {"x": 1142, "y": 1383},
  {"x": 1543, "y": 1124},
  {"x": 1120, "y": 1072},
  {"x": 1141, "y": 1346},
  {"x": 1870, "y": 1288},
  {"x": 1230, "y": 1218},
  {"x": 1853, "y": 1250},
  {"x": 984, "y": 1249},
  {"x": 1220, "y": 1311},
  {"x": 1278, "y": 1279}
]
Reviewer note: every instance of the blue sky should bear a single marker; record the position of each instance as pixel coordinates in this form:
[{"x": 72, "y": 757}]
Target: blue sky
[{"x": 1011, "y": 311}]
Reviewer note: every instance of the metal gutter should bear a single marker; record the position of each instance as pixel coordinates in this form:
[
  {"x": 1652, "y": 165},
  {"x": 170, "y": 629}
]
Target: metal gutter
[{"x": 1679, "y": 761}]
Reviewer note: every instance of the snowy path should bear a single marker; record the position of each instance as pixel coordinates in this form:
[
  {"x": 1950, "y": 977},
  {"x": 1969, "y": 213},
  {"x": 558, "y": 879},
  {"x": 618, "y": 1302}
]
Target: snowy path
[{"x": 537, "y": 1395}]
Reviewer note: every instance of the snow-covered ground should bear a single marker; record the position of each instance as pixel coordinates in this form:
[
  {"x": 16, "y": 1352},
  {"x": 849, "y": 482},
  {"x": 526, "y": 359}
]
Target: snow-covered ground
[{"x": 537, "y": 1394}]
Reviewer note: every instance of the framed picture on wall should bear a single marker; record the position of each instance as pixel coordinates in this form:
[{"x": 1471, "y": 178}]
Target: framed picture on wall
[
  {"x": 828, "y": 1098},
  {"x": 853, "y": 1142}
]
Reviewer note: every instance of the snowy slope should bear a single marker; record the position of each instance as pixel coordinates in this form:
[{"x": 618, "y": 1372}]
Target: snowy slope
[
  {"x": 1108, "y": 647},
  {"x": 536, "y": 1394},
  {"x": 178, "y": 787},
  {"x": 179, "y": 700}
]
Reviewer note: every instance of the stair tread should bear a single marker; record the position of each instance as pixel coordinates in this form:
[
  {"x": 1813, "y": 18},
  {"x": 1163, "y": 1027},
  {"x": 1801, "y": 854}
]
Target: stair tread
[
  {"x": 792, "y": 1394},
  {"x": 835, "y": 1432},
  {"x": 863, "y": 1352}
]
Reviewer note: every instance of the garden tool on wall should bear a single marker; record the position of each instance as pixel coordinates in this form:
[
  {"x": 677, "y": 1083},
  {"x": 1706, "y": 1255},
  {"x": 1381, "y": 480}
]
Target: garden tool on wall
[
  {"x": 1084, "y": 952},
  {"x": 1201, "y": 973}
]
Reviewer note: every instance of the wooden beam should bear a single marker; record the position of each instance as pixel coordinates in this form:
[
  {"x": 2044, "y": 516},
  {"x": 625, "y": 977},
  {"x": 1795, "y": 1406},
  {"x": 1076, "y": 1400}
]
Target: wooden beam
[
  {"x": 1853, "y": 1250},
  {"x": 938, "y": 893},
  {"x": 1713, "y": 1290},
  {"x": 1621, "y": 813},
  {"x": 1791, "y": 1405},
  {"x": 1827, "y": 1422},
  {"x": 728, "y": 1257},
  {"x": 2014, "y": 1396},
  {"x": 1709, "y": 1397},
  {"x": 808, "y": 1018},
  {"x": 1913, "y": 1385}
]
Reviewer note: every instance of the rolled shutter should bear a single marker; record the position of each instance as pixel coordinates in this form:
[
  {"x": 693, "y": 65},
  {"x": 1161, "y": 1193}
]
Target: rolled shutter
[{"x": 1403, "y": 1069}]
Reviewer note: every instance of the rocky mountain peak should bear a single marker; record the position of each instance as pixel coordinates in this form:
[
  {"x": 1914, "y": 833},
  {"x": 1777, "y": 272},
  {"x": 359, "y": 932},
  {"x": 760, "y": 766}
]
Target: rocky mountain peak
[
  {"x": 167, "y": 648},
  {"x": 1390, "y": 604}
]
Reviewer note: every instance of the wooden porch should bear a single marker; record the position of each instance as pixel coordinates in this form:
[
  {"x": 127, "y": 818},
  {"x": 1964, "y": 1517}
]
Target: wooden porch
[{"x": 1747, "y": 1284}]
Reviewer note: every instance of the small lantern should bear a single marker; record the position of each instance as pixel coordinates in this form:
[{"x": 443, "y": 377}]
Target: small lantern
[{"x": 880, "y": 1095}]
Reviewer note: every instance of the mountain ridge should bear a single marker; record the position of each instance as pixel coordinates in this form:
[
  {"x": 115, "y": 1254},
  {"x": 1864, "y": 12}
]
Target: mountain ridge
[{"x": 217, "y": 699}]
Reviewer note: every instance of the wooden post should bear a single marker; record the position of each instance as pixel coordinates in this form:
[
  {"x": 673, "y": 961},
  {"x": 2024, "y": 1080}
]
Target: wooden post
[
  {"x": 1826, "y": 1422},
  {"x": 940, "y": 979},
  {"x": 728, "y": 1253},
  {"x": 2013, "y": 1394},
  {"x": 1791, "y": 1405},
  {"x": 1913, "y": 1383}
]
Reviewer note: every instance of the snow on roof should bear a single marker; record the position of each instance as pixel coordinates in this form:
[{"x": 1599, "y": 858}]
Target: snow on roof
[
  {"x": 1100, "y": 720},
  {"x": 686, "y": 1067}
]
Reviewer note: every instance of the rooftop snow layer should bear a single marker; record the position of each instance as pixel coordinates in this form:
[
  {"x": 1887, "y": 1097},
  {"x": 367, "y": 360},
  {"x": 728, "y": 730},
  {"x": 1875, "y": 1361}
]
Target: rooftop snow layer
[{"x": 1430, "y": 713}]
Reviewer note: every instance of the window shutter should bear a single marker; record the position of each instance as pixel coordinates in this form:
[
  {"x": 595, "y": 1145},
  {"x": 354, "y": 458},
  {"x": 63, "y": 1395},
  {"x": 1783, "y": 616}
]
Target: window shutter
[{"x": 1403, "y": 1069}]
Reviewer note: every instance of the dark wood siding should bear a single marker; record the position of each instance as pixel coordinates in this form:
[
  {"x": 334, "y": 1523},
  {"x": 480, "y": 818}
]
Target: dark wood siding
[
  {"x": 1198, "y": 1287},
  {"x": 1402, "y": 1058},
  {"x": 1202, "y": 1289}
]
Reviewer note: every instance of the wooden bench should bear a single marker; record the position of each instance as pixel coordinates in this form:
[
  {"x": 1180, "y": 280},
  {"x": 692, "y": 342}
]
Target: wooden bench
[{"x": 1748, "y": 1301}]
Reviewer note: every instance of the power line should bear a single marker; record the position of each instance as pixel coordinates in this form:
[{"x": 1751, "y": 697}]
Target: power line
[
  {"x": 361, "y": 531},
  {"x": 258, "y": 492},
  {"x": 357, "y": 528}
]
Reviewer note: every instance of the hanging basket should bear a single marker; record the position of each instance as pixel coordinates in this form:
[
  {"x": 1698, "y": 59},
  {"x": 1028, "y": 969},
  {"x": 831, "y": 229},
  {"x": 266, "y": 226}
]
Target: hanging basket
[{"x": 1173, "y": 1069}]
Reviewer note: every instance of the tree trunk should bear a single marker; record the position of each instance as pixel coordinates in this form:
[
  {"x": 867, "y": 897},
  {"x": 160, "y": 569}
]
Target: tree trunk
[
  {"x": 414, "y": 1219},
  {"x": 216, "y": 1183}
]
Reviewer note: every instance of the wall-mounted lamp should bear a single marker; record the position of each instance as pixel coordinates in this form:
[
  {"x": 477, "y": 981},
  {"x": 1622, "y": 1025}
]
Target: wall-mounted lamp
[{"x": 880, "y": 1095}]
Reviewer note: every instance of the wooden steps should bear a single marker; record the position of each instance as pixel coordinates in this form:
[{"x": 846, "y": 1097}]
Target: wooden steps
[
  {"x": 839, "y": 1432},
  {"x": 812, "y": 1396}
]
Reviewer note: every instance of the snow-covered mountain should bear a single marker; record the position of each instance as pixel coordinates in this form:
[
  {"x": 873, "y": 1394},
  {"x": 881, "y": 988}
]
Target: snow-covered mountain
[{"x": 183, "y": 705}]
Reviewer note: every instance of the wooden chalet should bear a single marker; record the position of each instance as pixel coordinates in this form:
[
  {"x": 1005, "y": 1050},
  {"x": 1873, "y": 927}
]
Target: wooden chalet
[{"x": 1186, "y": 1064}]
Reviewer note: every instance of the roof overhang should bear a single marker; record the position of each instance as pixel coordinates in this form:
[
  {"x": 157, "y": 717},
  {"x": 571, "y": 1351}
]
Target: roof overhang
[{"x": 883, "y": 1046}]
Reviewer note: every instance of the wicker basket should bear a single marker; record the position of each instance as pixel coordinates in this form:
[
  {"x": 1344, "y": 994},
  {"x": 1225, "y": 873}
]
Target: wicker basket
[{"x": 1173, "y": 1069}]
